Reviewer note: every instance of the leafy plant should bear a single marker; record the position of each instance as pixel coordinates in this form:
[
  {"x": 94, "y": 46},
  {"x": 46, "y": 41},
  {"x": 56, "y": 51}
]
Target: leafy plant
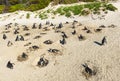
[
  {"x": 27, "y": 15},
  {"x": 110, "y": 7},
  {"x": 68, "y": 14},
  {"x": 59, "y": 10},
  {"x": 48, "y": 11},
  {"x": 85, "y": 9},
  {"x": 77, "y": 9},
  {"x": 1, "y": 8},
  {"x": 16, "y": 7},
  {"x": 43, "y": 16}
]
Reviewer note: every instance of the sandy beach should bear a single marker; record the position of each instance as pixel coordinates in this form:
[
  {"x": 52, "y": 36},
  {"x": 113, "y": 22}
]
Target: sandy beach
[{"x": 81, "y": 46}]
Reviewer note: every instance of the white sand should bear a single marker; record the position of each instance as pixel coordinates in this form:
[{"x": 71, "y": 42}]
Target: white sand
[{"x": 66, "y": 67}]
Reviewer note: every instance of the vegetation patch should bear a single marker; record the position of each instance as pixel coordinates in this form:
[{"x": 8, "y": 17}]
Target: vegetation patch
[
  {"x": 85, "y": 9},
  {"x": 16, "y": 7},
  {"x": 68, "y": 11},
  {"x": 27, "y": 5},
  {"x": 28, "y": 15},
  {"x": 43, "y": 16},
  {"x": 110, "y": 7},
  {"x": 68, "y": 14},
  {"x": 1, "y": 8},
  {"x": 81, "y": 10}
]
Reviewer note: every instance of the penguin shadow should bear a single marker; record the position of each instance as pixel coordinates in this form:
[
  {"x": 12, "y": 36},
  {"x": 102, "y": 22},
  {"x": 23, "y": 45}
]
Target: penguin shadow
[{"x": 102, "y": 42}]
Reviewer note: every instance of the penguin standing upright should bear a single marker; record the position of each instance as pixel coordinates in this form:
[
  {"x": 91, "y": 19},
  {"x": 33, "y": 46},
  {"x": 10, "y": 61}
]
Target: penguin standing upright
[
  {"x": 4, "y": 36},
  {"x": 104, "y": 40}
]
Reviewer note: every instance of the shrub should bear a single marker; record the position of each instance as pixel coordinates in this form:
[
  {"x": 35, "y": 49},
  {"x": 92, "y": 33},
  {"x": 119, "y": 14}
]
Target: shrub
[
  {"x": 1, "y": 8},
  {"x": 111, "y": 7},
  {"x": 85, "y": 9},
  {"x": 66, "y": 9},
  {"x": 27, "y": 15},
  {"x": 95, "y": 6},
  {"x": 48, "y": 11},
  {"x": 68, "y": 14},
  {"x": 59, "y": 10},
  {"x": 37, "y": 4},
  {"x": 16, "y": 7},
  {"x": 54, "y": 12},
  {"x": 77, "y": 9},
  {"x": 33, "y": 7},
  {"x": 30, "y": 5},
  {"x": 43, "y": 16},
  {"x": 62, "y": 13}
]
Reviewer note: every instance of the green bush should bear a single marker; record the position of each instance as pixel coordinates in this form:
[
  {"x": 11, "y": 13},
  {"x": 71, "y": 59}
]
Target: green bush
[
  {"x": 54, "y": 12},
  {"x": 16, "y": 7},
  {"x": 37, "y": 5},
  {"x": 32, "y": 7},
  {"x": 43, "y": 16},
  {"x": 68, "y": 14},
  {"x": 74, "y": 9},
  {"x": 48, "y": 11},
  {"x": 27, "y": 15},
  {"x": 59, "y": 10},
  {"x": 62, "y": 13},
  {"x": 1, "y": 8},
  {"x": 66, "y": 9},
  {"x": 77, "y": 9},
  {"x": 94, "y": 5},
  {"x": 80, "y": 9},
  {"x": 110, "y": 7}
]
